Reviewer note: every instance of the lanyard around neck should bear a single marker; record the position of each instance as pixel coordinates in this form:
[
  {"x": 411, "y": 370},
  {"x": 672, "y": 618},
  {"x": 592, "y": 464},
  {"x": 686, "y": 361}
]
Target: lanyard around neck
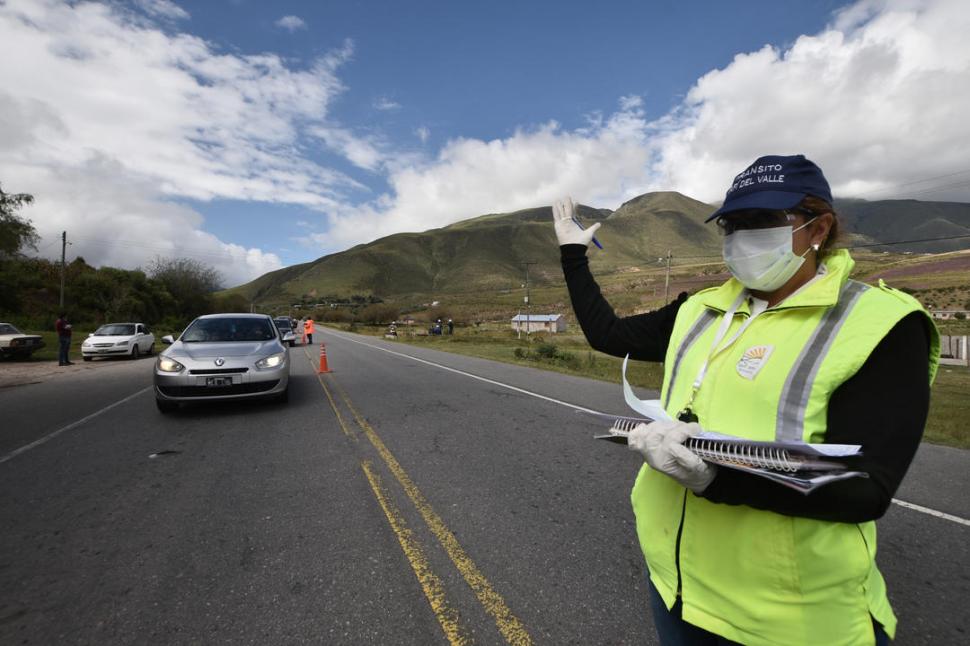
[{"x": 716, "y": 347}]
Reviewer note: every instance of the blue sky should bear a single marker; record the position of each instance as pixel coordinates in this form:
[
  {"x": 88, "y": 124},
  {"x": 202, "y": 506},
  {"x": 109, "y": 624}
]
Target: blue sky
[
  {"x": 483, "y": 70},
  {"x": 256, "y": 135}
]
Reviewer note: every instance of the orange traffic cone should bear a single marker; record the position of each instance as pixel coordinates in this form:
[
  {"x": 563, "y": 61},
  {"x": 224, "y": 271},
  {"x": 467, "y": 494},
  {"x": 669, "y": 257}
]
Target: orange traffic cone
[{"x": 323, "y": 359}]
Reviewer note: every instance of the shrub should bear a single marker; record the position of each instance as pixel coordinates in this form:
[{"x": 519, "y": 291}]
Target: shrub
[
  {"x": 546, "y": 350},
  {"x": 335, "y": 316},
  {"x": 568, "y": 359},
  {"x": 378, "y": 314}
]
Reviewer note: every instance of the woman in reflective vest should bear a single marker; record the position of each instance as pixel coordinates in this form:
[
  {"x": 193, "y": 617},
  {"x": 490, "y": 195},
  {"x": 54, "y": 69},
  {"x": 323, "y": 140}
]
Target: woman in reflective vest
[{"x": 790, "y": 348}]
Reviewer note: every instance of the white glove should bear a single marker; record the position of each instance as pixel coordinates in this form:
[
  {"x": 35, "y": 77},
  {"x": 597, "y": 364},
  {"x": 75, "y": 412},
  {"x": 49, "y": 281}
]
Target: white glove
[
  {"x": 568, "y": 230},
  {"x": 662, "y": 446}
]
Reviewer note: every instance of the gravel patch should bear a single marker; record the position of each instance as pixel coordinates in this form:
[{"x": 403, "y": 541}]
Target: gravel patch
[{"x": 20, "y": 373}]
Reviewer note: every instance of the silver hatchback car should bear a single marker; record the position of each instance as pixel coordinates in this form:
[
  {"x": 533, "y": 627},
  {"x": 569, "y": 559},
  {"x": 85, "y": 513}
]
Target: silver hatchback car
[{"x": 223, "y": 356}]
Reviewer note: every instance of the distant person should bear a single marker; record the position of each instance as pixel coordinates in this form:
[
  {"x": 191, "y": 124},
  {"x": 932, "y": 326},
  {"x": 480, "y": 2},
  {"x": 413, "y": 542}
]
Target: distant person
[
  {"x": 308, "y": 329},
  {"x": 789, "y": 349},
  {"x": 451, "y": 327},
  {"x": 64, "y": 328}
]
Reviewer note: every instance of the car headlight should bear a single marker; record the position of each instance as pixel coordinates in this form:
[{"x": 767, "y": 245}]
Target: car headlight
[
  {"x": 271, "y": 361},
  {"x": 86, "y": 344},
  {"x": 121, "y": 343},
  {"x": 169, "y": 365}
]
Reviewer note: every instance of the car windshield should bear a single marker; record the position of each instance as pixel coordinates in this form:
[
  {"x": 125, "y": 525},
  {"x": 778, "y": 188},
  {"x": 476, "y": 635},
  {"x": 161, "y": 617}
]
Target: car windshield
[
  {"x": 283, "y": 325},
  {"x": 222, "y": 330},
  {"x": 115, "y": 329},
  {"x": 6, "y": 328}
]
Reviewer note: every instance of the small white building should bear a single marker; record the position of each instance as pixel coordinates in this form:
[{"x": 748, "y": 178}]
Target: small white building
[
  {"x": 948, "y": 315},
  {"x": 953, "y": 351},
  {"x": 532, "y": 323}
]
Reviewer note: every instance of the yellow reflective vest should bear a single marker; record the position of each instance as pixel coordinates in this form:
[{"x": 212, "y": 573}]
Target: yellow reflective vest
[{"x": 754, "y": 576}]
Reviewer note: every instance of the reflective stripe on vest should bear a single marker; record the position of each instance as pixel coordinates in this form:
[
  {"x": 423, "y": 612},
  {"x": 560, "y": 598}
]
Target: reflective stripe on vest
[
  {"x": 700, "y": 325},
  {"x": 790, "y": 423}
]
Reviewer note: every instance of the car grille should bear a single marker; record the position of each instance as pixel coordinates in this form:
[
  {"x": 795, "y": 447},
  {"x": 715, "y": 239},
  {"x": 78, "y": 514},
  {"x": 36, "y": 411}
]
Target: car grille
[
  {"x": 103, "y": 345},
  {"x": 219, "y": 371},
  {"x": 215, "y": 391}
]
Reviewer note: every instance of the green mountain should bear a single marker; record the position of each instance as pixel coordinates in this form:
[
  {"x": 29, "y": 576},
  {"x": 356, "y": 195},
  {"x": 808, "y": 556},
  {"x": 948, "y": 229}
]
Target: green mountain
[
  {"x": 487, "y": 252},
  {"x": 895, "y": 220}
]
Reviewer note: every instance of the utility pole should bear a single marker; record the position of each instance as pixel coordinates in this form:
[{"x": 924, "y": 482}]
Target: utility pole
[
  {"x": 667, "y": 280},
  {"x": 528, "y": 301},
  {"x": 63, "y": 255}
]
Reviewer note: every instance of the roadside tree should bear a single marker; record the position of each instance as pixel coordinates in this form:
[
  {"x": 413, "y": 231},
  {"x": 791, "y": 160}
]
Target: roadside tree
[{"x": 16, "y": 233}]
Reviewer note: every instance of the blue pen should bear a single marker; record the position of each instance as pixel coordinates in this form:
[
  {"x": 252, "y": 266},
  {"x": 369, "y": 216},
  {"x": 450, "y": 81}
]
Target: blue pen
[{"x": 582, "y": 228}]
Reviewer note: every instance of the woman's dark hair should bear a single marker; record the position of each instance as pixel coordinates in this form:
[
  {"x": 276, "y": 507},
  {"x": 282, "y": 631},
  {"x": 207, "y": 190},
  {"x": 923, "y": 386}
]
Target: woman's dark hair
[{"x": 817, "y": 206}]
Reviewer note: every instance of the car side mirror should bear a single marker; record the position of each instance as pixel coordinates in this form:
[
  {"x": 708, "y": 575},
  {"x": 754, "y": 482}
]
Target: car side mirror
[{"x": 168, "y": 340}]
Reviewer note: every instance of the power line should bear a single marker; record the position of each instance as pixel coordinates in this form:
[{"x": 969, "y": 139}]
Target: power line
[
  {"x": 887, "y": 244},
  {"x": 919, "y": 181}
]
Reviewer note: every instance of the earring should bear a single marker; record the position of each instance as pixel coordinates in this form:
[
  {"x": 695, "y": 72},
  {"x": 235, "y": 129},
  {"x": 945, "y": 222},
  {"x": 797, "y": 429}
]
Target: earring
[{"x": 816, "y": 247}]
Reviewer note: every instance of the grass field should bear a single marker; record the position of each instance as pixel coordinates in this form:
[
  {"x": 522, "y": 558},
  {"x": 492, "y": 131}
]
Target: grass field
[{"x": 948, "y": 422}]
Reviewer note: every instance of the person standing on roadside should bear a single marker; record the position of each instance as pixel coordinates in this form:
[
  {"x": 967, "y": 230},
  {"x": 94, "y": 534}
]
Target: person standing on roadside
[
  {"x": 63, "y": 328},
  {"x": 451, "y": 327},
  {"x": 789, "y": 349},
  {"x": 308, "y": 329}
]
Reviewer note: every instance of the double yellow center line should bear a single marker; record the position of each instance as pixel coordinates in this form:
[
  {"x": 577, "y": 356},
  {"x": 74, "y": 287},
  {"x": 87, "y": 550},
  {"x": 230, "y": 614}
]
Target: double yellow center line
[{"x": 508, "y": 624}]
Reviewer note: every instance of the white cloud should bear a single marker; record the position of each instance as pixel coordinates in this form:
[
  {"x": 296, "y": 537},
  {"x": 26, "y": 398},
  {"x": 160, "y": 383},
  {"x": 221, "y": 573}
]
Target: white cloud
[
  {"x": 163, "y": 9},
  {"x": 423, "y": 134},
  {"x": 114, "y": 219},
  {"x": 631, "y": 102},
  {"x": 879, "y": 99},
  {"x": 363, "y": 152},
  {"x": 597, "y": 164},
  {"x": 386, "y": 104},
  {"x": 97, "y": 87},
  {"x": 291, "y": 23}
]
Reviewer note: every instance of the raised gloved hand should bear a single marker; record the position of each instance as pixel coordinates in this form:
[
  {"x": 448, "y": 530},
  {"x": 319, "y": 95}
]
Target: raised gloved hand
[
  {"x": 568, "y": 229},
  {"x": 662, "y": 446}
]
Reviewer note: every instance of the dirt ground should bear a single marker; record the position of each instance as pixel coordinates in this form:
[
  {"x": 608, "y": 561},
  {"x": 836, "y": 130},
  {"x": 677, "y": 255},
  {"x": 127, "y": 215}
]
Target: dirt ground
[{"x": 21, "y": 373}]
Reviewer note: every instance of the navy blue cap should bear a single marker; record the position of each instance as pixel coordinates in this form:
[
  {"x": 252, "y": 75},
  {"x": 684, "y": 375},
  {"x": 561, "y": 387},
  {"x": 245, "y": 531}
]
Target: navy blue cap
[{"x": 775, "y": 182}]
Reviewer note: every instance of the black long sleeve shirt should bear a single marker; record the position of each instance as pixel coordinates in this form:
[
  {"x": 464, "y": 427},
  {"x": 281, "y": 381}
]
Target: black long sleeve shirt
[{"x": 883, "y": 407}]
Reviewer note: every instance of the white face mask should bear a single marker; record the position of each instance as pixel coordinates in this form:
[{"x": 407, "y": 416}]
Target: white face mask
[{"x": 762, "y": 259}]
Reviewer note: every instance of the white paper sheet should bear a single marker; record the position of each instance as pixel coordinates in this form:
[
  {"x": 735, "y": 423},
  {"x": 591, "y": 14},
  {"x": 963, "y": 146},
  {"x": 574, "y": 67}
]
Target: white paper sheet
[{"x": 651, "y": 408}]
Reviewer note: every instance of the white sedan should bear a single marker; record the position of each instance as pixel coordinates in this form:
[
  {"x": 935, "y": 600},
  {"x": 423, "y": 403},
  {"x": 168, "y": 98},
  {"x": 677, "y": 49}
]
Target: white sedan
[
  {"x": 119, "y": 339},
  {"x": 14, "y": 343}
]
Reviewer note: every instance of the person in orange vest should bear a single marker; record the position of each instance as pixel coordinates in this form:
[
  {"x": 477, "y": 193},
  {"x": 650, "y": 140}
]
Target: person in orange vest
[{"x": 308, "y": 330}]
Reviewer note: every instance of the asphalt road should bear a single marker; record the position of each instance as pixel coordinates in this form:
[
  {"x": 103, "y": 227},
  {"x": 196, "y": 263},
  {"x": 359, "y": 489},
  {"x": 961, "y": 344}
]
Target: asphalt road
[{"x": 393, "y": 501}]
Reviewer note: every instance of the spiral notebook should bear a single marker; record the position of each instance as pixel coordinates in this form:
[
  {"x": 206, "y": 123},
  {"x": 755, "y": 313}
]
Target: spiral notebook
[{"x": 800, "y": 466}]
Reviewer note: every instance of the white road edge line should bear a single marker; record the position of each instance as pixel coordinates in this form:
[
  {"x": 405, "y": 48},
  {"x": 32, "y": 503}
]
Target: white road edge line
[
  {"x": 67, "y": 428},
  {"x": 468, "y": 374},
  {"x": 932, "y": 512},
  {"x": 901, "y": 503}
]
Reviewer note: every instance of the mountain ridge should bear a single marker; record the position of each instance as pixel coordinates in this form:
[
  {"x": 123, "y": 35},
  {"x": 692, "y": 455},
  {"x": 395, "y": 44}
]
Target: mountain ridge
[{"x": 488, "y": 251}]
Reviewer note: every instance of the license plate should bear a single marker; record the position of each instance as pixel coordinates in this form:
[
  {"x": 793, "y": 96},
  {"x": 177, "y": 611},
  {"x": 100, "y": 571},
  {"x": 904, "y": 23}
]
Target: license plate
[{"x": 218, "y": 381}]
